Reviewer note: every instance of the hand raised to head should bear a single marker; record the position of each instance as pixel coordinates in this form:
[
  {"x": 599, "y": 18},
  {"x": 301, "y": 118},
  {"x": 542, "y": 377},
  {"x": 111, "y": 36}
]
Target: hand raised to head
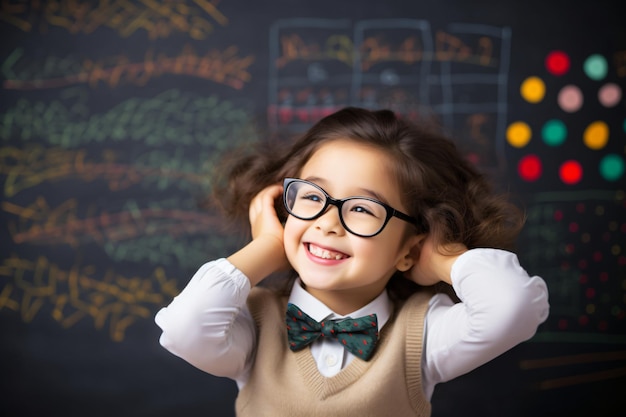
[{"x": 433, "y": 262}]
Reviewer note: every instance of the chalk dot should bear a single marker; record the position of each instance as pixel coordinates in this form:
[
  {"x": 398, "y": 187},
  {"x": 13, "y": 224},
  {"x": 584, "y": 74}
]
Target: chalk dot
[
  {"x": 557, "y": 62},
  {"x": 585, "y": 237},
  {"x": 596, "y": 67},
  {"x": 533, "y": 89},
  {"x": 571, "y": 172},
  {"x": 590, "y": 293},
  {"x": 596, "y": 135},
  {"x": 518, "y": 134},
  {"x": 612, "y": 167},
  {"x": 529, "y": 168},
  {"x": 616, "y": 250},
  {"x": 583, "y": 320},
  {"x": 599, "y": 211},
  {"x": 558, "y": 215},
  {"x": 609, "y": 95},
  {"x": 554, "y": 132},
  {"x": 562, "y": 323},
  {"x": 389, "y": 77},
  {"x": 570, "y": 98}
]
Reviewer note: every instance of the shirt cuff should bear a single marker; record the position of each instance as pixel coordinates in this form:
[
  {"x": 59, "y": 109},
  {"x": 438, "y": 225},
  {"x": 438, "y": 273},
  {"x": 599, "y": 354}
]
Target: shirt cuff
[{"x": 240, "y": 280}]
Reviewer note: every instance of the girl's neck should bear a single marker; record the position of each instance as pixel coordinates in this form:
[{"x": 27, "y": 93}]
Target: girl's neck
[{"x": 344, "y": 302}]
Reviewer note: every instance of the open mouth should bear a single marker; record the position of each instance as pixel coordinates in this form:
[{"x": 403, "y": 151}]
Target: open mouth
[{"x": 325, "y": 253}]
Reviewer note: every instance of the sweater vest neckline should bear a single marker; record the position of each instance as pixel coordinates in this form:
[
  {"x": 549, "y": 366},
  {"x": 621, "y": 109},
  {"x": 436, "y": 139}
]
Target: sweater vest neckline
[{"x": 324, "y": 386}]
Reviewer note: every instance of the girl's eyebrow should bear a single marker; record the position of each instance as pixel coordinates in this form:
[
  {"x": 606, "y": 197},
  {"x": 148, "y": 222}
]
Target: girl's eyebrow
[{"x": 366, "y": 192}]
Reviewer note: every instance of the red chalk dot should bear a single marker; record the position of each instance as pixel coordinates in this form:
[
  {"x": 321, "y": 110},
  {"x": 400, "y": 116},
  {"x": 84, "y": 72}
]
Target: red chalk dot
[
  {"x": 557, "y": 63},
  {"x": 562, "y": 324},
  {"x": 571, "y": 172},
  {"x": 590, "y": 293},
  {"x": 529, "y": 168},
  {"x": 583, "y": 320},
  {"x": 558, "y": 215},
  {"x": 573, "y": 227}
]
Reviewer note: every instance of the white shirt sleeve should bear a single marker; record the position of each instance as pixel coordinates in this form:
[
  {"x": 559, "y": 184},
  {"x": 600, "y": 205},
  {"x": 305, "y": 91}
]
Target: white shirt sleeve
[
  {"x": 208, "y": 323},
  {"x": 501, "y": 306}
]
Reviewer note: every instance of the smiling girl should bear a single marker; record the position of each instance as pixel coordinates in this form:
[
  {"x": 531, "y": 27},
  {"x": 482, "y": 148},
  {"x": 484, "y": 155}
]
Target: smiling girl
[{"x": 375, "y": 215}]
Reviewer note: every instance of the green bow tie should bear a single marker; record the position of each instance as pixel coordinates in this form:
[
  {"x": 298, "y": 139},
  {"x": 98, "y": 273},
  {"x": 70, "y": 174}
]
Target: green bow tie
[{"x": 359, "y": 336}]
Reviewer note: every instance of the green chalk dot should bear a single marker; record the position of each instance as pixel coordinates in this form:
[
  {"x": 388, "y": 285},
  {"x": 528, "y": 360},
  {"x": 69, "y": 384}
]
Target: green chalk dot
[
  {"x": 612, "y": 167},
  {"x": 595, "y": 67},
  {"x": 554, "y": 132}
]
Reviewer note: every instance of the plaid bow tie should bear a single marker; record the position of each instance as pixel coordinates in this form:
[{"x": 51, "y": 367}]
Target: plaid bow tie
[{"x": 359, "y": 336}]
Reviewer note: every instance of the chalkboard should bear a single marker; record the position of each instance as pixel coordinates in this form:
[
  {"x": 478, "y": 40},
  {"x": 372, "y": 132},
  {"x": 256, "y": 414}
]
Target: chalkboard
[{"x": 113, "y": 113}]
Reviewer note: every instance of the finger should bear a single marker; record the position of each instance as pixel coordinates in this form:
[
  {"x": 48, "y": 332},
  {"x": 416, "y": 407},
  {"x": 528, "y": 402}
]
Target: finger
[
  {"x": 270, "y": 194},
  {"x": 264, "y": 200}
]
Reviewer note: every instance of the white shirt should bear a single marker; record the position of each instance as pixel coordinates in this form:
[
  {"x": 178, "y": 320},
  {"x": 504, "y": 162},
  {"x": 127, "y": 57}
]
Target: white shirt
[{"x": 208, "y": 323}]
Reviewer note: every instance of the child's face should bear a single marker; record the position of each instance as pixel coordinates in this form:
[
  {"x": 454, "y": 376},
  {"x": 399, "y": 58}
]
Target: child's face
[{"x": 343, "y": 169}]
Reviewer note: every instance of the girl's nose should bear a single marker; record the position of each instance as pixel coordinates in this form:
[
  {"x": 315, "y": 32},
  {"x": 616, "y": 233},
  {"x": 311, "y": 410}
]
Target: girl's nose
[{"x": 329, "y": 222}]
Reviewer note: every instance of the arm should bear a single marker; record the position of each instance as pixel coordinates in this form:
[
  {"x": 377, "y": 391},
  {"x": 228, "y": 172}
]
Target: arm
[
  {"x": 501, "y": 307},
  {"x": 208, "y": 323}
]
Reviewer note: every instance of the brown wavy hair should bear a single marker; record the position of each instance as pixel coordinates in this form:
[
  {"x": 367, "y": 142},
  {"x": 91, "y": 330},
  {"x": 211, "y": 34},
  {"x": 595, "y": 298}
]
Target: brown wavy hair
[{"x": 451, "y": 199}]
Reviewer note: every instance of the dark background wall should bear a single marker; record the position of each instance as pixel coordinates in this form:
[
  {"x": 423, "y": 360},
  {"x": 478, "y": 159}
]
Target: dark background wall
[{"x": 112, "y": 113}]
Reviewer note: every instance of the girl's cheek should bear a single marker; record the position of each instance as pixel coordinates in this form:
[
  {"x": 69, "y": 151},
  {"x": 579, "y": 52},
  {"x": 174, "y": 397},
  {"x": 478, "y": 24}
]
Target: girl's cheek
[{"x": 290, "y": 240}]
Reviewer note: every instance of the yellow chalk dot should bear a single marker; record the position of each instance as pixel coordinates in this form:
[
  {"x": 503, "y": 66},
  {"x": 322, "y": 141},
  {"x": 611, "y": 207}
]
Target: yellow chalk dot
[
  {"x": 533, "y": 89},
  {"x": 616, "y": 249},
  {"x": 518, "y": 134},
  {"x": 596, "y": 135},
  {"x": 590, "y": 309}
]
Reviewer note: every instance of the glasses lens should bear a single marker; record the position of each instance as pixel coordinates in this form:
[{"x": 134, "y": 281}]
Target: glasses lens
[
  {"x": 363, "y": 216},
  {"x": 304, "y": 200}
]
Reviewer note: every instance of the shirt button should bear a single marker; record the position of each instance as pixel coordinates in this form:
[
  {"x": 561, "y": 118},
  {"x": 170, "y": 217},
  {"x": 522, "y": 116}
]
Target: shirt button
[{"x": 331, "y": 360}]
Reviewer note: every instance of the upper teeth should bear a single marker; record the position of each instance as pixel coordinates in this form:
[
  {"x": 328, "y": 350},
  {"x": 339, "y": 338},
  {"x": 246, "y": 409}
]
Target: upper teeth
[{"x": 323, "y": 253}]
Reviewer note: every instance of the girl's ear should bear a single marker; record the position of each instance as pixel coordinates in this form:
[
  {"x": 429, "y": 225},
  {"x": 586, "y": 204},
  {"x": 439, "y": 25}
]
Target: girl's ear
[{"x": 410, "y": 252}]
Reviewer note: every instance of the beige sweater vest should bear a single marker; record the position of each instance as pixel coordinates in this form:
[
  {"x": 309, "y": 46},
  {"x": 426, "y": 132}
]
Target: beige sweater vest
[{"x": 286, "y": 383}]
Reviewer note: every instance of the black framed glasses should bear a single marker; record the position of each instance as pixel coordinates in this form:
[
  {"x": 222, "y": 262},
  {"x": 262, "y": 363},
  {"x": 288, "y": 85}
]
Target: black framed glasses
[{"x": 361, "y": 216}]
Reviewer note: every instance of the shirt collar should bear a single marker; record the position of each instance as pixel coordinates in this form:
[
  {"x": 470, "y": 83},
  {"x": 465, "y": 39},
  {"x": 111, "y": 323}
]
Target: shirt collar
[{"x": 381, "y": 306}]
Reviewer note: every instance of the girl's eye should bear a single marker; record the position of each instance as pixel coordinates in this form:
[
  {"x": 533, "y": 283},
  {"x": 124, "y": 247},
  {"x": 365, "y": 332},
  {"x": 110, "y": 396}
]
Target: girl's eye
[
  {"x": 366, "y": 208},
  {"x": 313, "y": 197},
  {"x": 361, "y": 209}
]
